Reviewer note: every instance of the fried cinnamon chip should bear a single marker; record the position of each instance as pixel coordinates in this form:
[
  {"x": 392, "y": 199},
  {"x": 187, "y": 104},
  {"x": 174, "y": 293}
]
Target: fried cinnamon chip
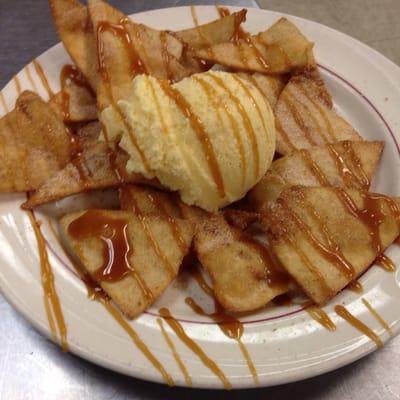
[
  {"x": 146, "y": 256},
  {"x": 325, "y": 237},
  {"x": 75, "y": 103},
  {"x": 34, "y": 144},
  {"x": 97, "y": 167},
  {"x": 344, "y": 164},
  {"x": 304, "y": 116},
  {"x": 243, "y": 273},
  {"x": 75, "y": 29},
  {"x": 280, "y": 49},
  {"x": 126, "y": 49},
  {"x": 270, "y": 86}
]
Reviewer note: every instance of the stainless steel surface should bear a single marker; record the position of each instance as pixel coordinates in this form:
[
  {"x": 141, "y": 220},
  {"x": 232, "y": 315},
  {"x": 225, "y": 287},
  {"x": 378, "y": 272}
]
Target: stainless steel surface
[{"x": 31, "y": 367}]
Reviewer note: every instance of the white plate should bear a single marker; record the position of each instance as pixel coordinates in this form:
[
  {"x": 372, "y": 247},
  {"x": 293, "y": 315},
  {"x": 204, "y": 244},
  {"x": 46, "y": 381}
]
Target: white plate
[{"x": 284, "y": 343}]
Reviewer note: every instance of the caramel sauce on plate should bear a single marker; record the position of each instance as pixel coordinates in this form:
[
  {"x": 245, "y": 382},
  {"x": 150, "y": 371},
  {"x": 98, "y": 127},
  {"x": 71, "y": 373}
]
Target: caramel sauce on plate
[
  {"x": 3, "y": 102},
  {"x": 381, "y": 321},
  {"x": 194, "y": 347},
  {"x": 355, "y": 286},
  {"x": 30, "y": 78},
  {"x": 116, "y": 247},
  {"x": 385, "y": 262},
  {"x": 359, "y": 325},
  {"x": 42, "y": 76},
  {"x": 17, "y": 83},
  {"x": 319, "y": 315},
  {"x": 51, "y": 300}
]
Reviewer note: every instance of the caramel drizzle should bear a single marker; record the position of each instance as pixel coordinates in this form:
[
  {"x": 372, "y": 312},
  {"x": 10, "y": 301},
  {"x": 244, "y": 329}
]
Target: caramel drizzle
[
  {"x": 320, "y": 110},
  {"x": 174, "y": 352},
  {"x": 246, "y": 121},
  {"x": 194, "y": 16},
  {"x": 359, "y": 325},
  {"x": 51, "y": 299},
  {"x": 200, "y": 131},
  {"x": 165, "y": 54},
  {"x": 212, "y": 96},
  {"x": 313, "y": 167},
  {"x": 349, "y": 178},
  {"x": 150, "y": 237},
  {"x": 96, "y": 293},
  {"x": 80, "y": 167},
  {"x": 137, "y": 66},
  {"x": 355, "y": 286},
  {"x": 194, "y": 347},
  {"x": 116, "y": 247},
  {"x": 284, "y": 135},
  {"x": 329, "y": 251},
  {"x": 385, "y": 262},
  {"x": 43, "y": 78},
  {"x": 3, "y": 102},
  {"x": 207, "y": 289},
  {"x": 319, "y": 315},
  {"x": 30, "y": 78},
  {"x": 231, "y": 327},
  {"x": 376, "y": 315},
  {"x": 17, "y": 83},
  {"x": 361, "y": 176},
  {"x": 298, "y": 119}
]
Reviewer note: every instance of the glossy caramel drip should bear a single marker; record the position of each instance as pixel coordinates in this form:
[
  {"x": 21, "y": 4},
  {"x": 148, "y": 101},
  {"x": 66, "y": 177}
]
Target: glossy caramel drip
[
  {"x": 376, "y": 315},
  {"x": 370, "y": 214},
  {"x": 356, "y": 323},
  {"x": 43, "y": 78},
  {"x": 298, "y": 119},
  {"x": 51, "y": 299},
  {"x": 329, "y": 251},
  {"x": 313, "y": 167},
  {"x": 385, "y": 262},
  {"x": 175, "y": 354},
  {"x": 116, "y": 247},
  {"x": 165, "y": 54},
  {"x": 223, "y": 11},
  {"x": 320, "y": 110},
  {"x": 3, "y": 102},
  {"x": 30, "y": 78},
  {"x": 349, "y": 178},
  {"x": 212, "y": 95},
  {"x": 319, "y": 315},
  {"x": 246, "y": 121},
  {"x": 17, "y": 84},
  {"x": 200, "y": 131},
  {"x": 230, "y": 326},
  {"x": 71, "y": 74},
  {"x": 362, "y": 176},
  {"x": 80, "y": 166},
  {"x": 137, "y": 67},
  {"x": 194, "y": 16},
  {"x": 274, "y": 275},
  {"x": 150, "y": 237},
  {"x": 355, "y": 286},
  {"x": 193, "y": 346}
]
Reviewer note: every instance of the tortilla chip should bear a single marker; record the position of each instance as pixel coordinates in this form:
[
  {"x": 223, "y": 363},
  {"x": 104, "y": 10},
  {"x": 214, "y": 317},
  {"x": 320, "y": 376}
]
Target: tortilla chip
[
  {"x": 95, "y": 168},
  {"x": 270, "y": 86},
  {"x": 219, "y": 31},
  {"x": 343, "y": 164},
  {"x": 75, "y": 29},
  {"x": 304, "y": 116},
  {"x": 34, "y": 144},
  {"x": 244, "y": 278},
  {"x": 127, "y": 48},
  {"x": 280, "y": 49},
  {"x": 75, "y": 103},
  {"x": 88, "y": 135},
  {"x": 321, "y": 243},
  {"x": 154, "y": 256}
]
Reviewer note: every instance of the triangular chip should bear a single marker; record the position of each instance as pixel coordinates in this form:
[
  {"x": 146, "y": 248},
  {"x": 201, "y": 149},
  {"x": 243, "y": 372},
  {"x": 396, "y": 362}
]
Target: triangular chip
[
  {"x": 343, "y": 164},
  {"x": 97, "y": 167},
  {"x": 34, "y": 144},
  {"x": 75, "y": 29},
  {"x": 75, "y": 103},
  {"x": 219, "y": 31},
  {"x": 270, "y": 86},
  {"x": 131, "y": 258},
  {"x": 126, "y": 49},
  {"x": 325, "y": 237},
  {"x": 304, "y": 116},
  {"x": 243, "y": 273},
  {"x": 280, "y": 49}
]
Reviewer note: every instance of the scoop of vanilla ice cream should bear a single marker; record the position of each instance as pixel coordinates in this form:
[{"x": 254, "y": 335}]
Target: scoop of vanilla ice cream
[{"x": 211, "y": 136}]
